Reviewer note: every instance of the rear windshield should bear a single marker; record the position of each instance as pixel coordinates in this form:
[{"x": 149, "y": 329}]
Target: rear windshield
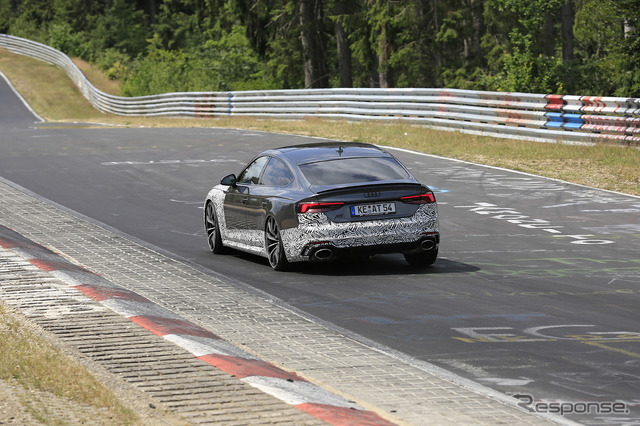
[{"x": 353, "y": 170}]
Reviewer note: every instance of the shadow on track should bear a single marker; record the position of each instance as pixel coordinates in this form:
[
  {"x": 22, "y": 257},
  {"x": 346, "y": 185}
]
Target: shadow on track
[{"x": 382, "y": 264}]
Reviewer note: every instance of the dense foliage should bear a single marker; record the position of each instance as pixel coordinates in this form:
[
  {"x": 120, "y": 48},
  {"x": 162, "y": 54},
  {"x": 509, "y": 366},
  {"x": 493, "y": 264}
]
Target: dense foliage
[{"x": 587, "y": 47}]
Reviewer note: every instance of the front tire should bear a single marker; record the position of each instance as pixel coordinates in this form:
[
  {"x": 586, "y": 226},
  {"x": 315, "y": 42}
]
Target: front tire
[
  {"x": 273, "y": 244},
  {"x": 422, "y": 259},
  {"x": 213, "y": 230}
]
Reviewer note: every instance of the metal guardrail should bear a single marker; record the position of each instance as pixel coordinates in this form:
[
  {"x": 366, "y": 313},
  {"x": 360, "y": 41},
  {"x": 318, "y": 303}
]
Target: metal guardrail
[{"x": 548, "y": 118}]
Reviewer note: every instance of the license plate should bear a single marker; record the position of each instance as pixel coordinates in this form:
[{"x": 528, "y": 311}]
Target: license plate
[{"x": 373, "y": 209}]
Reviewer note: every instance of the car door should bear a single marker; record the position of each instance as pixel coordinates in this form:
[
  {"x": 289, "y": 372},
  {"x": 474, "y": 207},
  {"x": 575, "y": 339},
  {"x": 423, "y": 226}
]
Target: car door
[
  {"x": 275, "y": 176},
  {"x": 237, "y": 197}
]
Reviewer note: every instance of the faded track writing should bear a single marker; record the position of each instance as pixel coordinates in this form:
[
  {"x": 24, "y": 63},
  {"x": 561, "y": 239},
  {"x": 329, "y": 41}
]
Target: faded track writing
[
  {"x": 618, "y": 270},
  {"x": 548, "y": 333},
  {"x": 524, "y": 221}
]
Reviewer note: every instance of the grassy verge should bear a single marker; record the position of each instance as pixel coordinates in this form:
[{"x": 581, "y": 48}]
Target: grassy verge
[
  {"x": 606, "y": 166},
  {"x": 53, "y": 387}
]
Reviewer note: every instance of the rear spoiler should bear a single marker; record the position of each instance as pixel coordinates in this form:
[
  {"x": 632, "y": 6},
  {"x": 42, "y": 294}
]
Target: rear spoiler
[{"x": 330, "y": 188}]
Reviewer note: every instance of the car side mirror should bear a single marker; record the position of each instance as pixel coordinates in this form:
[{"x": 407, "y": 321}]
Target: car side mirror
[{"x": 228, "y": 180}]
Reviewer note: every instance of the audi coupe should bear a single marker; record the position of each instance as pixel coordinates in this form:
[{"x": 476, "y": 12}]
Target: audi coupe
[{"x": 322, "y": 201}]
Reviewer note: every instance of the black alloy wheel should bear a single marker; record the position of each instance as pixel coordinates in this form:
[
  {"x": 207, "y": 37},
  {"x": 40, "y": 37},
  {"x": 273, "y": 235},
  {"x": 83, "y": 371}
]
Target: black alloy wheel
[
  {"x": 213, "y": 230},
  {"x": 273, "y": 243}
]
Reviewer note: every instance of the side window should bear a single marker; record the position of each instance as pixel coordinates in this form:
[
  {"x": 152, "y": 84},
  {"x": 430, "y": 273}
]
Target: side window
[
  {"x": 276, "y": 174},
  {"x": 251, "y": 174}
]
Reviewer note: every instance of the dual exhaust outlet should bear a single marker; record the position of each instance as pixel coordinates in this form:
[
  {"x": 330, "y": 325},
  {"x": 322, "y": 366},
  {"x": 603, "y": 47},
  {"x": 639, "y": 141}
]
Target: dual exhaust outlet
[{"x": 323, "y": 254}]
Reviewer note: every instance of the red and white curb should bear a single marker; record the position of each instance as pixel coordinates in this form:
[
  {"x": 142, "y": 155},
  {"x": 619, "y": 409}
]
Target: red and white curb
[{"x": 203, "y": 344}]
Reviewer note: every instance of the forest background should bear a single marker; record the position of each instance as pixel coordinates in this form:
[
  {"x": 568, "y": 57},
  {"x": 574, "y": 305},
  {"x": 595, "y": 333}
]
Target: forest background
[{"x": 582, "y": 47}]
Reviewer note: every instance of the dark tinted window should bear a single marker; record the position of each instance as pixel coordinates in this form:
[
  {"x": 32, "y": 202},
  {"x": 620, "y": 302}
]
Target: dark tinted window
[
  {"x": 276, "y": 174},
  {"x": 353, "y": 170},
  {"x": 252, "y": 173}
]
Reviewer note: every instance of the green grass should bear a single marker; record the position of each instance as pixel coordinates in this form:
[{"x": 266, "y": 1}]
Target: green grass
[
  {"x": 606, "y": 165},
  {"x": 29, "y": 361}
]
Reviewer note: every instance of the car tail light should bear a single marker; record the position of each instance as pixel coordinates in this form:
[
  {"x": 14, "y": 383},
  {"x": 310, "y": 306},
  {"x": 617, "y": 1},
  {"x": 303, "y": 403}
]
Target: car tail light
[
  {"x": 425, "y": 198},
  {"x": 317, "y": 207}
]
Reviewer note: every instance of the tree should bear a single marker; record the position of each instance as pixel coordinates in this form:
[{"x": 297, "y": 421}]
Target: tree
[
  {"x": 379, "y": 16},
  {"x": 314, "y": 52},
  {"x": 343, "y": 45},
  {"x": 628, "y": 77},
  {"x": 122, "y": 27},
  {"x": 567, "y": 31},
  {"x": 561, "y": 46},
  {"x": 527, "y": 59}
]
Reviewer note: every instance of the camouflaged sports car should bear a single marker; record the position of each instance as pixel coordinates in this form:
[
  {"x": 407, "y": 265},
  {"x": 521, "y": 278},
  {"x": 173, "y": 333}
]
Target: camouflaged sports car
[{"x": 321, "y": 201}]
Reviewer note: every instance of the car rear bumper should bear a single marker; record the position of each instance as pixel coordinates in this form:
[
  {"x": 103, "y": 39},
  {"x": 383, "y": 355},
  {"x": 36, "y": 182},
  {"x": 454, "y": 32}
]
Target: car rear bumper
[
  {"x": 325, "y": 252},
  {"x": 317, "y": 238}
]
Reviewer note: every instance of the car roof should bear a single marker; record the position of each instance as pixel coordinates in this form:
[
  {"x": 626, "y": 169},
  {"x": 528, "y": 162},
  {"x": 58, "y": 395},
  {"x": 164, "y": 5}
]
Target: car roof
[{"x": 301, "y": 154}]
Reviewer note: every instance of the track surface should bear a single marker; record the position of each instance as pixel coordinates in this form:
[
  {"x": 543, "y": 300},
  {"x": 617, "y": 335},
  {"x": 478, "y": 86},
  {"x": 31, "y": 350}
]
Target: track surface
[{"x": 536, "y": 291}]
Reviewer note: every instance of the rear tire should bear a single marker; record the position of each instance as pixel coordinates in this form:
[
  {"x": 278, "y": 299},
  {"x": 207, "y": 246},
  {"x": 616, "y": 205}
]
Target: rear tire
[
  {"x": 422, "y": 259},
  {"x": 213, "y": 230},
  {"x": 273, "y": 244}
]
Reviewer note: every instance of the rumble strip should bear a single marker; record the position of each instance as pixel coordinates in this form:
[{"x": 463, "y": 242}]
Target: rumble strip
[{"x": 201, "y": 343}]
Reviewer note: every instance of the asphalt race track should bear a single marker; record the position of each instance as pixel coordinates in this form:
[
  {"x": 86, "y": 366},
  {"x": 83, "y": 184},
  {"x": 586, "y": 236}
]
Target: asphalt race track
[{"x": 536, "y": 292}]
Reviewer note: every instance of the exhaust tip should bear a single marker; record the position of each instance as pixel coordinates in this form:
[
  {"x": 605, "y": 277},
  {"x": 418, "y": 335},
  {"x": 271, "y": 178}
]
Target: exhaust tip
[
  {"x": 323, "y": 254},
  {"x": 427, "y": 245}
]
